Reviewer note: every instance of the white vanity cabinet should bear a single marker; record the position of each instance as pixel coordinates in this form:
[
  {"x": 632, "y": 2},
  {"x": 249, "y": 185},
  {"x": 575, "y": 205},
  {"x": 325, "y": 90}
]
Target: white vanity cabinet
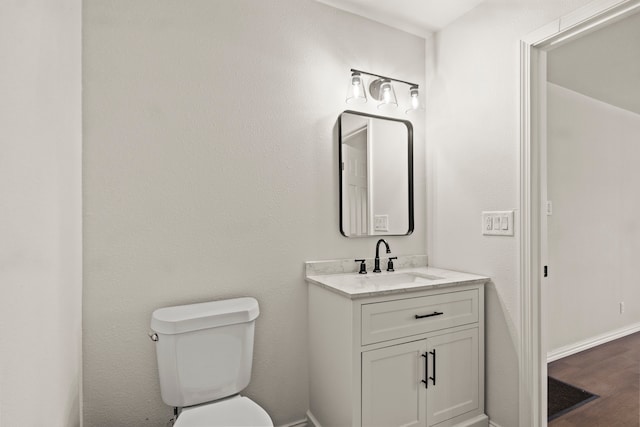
[
  {"x": 391, "y": 396},
  {"x": 408, "y": 358}
]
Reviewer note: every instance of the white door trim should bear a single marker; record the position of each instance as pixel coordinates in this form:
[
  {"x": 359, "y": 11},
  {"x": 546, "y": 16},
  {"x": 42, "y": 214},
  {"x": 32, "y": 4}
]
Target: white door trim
[{"x": 533, "y": 48}]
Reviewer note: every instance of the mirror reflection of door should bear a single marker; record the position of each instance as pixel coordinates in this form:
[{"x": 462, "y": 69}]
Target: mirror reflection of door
[{"x": 356, "y": 184}]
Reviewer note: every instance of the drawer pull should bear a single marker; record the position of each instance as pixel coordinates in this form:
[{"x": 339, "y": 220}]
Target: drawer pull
[{"x": 435, "y": 313}]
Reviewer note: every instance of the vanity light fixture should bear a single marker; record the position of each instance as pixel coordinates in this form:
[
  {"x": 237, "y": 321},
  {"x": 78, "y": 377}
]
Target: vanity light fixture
[{"x": 381, "y": 89}]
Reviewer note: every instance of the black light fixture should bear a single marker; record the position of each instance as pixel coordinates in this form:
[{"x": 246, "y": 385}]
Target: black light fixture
[{"x": 381, "y": 89}]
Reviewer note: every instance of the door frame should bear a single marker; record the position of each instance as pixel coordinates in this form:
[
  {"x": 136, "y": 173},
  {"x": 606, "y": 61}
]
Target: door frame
[{"x": 533, "y": 172}]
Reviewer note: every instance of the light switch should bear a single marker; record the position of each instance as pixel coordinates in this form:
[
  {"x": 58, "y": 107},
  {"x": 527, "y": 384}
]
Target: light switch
[
  {"x": 381, "y": 222},
  {"x": 497, "y": 223},
  {"x": 488, "y": 223}
]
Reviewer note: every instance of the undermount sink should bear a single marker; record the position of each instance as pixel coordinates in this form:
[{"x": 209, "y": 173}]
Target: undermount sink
[{"x": 401, "y": 278}]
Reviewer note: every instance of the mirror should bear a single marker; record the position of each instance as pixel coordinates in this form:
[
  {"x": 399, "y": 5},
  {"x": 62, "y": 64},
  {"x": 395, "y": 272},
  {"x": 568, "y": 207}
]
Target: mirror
[{"x": 376, "y": 175}]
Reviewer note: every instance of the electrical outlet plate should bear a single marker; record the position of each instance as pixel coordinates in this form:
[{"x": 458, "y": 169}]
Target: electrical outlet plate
[{"x": 497, "y": 223}]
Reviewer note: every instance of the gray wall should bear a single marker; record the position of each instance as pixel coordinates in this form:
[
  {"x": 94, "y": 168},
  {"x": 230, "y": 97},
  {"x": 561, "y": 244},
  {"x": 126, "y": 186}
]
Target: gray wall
[{"x": 211, "y": 172}]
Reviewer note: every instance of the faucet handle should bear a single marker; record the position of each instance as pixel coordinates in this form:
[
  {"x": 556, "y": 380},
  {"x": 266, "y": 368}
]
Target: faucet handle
[
  {"x": 390, "y": 263},
  {"x": 363, "y": 266}
]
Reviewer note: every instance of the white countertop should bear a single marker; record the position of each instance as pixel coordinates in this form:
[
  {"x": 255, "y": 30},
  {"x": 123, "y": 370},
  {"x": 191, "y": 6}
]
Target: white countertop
[{"x": 354, "y": 285}]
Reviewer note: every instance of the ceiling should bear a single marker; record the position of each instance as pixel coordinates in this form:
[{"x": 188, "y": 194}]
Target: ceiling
[
  {"x": 604, "y": 64},
  {"x": 419, "y": 17}
]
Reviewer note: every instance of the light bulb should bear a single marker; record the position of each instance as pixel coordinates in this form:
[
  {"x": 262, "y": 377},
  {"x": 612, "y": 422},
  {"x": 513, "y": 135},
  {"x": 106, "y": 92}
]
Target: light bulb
[
  {"x": 356, "y": 89},
  {"x": 415, "y": 99},
  {"x": 386, "y": 92},
  {"x": 415, "y": 102}
]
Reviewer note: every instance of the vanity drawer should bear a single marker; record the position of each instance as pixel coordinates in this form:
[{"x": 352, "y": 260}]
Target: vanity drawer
[{"x": 388, "y": 320}]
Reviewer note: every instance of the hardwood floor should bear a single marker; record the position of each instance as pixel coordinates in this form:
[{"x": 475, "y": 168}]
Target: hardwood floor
[{"x": 612, "y": 371}]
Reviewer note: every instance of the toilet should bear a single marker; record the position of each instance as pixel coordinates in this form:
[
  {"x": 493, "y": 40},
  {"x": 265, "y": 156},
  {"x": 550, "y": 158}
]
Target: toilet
[{"x": 205, "y": 353}]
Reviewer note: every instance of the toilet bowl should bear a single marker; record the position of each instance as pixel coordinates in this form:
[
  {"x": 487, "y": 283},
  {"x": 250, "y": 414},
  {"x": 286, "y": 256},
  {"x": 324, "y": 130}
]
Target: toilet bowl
[
  {"x": 205, "y": 354},
  {"x": 232, "y": 412}
]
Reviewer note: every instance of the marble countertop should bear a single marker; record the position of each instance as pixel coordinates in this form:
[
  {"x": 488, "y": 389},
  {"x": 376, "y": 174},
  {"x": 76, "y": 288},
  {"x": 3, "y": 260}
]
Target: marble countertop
[{"x": 353, "y": 285}]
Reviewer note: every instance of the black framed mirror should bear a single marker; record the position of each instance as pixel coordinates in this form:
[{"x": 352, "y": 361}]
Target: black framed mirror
[{"x": 376, "y": 175}]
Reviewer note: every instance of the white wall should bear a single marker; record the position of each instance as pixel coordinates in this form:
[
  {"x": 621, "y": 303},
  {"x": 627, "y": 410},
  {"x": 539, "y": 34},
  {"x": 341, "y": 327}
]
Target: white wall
[
  {"x": 594, "y": 232},
  {"x": 473, "y": 166},
  {"x": 211, "y": 171},
  {"x": 40, "y": 212}
]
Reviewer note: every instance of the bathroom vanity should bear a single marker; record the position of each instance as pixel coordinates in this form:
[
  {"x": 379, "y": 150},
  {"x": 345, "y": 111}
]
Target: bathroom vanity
[{"x": 403, "y": 348}]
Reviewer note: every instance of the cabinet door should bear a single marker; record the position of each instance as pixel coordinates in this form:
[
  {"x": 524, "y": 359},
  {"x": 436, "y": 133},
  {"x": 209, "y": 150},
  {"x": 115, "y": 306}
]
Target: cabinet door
[
  {"x": 455, "y": 369},
  {"x": 392, "y": 391}
]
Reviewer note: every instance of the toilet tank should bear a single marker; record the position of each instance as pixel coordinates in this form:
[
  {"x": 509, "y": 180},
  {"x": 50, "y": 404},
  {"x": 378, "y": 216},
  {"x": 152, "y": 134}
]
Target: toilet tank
[{"x": 204, "y": 350}]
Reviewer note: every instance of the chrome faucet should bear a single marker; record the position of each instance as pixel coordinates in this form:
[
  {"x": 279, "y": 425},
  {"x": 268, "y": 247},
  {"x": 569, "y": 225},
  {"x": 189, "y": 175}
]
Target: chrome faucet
[{"x": 377, "y": 260}]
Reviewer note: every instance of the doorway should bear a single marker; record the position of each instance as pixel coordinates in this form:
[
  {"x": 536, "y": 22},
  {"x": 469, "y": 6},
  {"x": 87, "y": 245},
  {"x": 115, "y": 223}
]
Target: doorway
[
  {"x": 593, "y": 223},
  {"x": 534, "y": 245},
  {"x": 593, "y": 128}
]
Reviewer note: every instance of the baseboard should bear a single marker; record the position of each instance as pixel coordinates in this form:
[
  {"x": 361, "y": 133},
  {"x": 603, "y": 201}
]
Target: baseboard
[
  {"x": 492, "y": 424},
  {"x": 479, "y": 420},
  {"x": 299, "y": 423},
  {"x": 577, "y": 347},
  {"x": 311, "y": 420}
]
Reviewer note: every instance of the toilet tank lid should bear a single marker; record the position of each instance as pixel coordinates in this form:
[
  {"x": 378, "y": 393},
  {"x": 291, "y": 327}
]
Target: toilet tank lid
[{"x": 193, "y": 317}]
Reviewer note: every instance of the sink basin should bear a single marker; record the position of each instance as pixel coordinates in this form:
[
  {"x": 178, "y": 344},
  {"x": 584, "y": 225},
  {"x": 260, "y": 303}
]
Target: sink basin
[
  {"x": 425, "y": 276},
  {"x": 401, "y": 279}
]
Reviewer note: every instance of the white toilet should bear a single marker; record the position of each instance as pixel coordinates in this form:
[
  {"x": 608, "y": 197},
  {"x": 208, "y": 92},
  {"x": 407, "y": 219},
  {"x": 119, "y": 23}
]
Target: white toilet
[{"x": 204, "y": 354}]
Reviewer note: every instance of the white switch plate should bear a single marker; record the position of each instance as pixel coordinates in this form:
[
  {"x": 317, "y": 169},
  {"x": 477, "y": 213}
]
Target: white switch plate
[
  {"x": 381, "y": 222},
  {"x": 497, "y": 223}
]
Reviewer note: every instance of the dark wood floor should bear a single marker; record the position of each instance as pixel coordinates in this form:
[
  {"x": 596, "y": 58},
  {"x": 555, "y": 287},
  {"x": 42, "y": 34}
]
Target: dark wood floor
[{"x": 612, "y": 371}]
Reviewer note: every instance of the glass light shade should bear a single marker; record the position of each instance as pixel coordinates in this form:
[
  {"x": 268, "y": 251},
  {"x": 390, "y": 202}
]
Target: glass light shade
[
  {"x": 356, "y": 93},
  {"x": 416, "y": 105},
  {"x": 387, "y": 95}
]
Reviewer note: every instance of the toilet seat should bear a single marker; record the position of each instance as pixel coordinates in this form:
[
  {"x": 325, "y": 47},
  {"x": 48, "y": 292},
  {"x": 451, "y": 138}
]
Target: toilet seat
[{"x": 236, "y": 411}]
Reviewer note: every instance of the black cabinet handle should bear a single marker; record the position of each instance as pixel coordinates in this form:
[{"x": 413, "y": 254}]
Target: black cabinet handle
[
  {"x": 433, "y": 378},
  {"x": 426, "y": 370},
  {"x": 435, "y": 313}
]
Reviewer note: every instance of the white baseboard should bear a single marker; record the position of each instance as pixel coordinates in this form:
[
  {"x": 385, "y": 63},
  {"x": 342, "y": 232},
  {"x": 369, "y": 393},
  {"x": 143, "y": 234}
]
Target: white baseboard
[
  {"x": 492, "y": 424},
  {"x": 479, "y": 420},
  {"x": 311, "y": 420},
  {"x": 299, "y": 423},
  {"x": 577, "y": 347}
]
